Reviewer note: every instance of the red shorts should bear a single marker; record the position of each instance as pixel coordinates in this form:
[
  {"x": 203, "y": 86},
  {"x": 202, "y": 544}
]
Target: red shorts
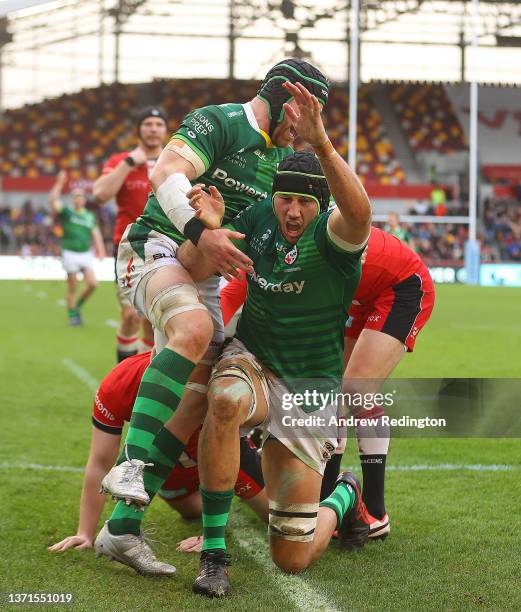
[
  {"x": 182, "y": 482},
  {"x": 400, "y": 311}
]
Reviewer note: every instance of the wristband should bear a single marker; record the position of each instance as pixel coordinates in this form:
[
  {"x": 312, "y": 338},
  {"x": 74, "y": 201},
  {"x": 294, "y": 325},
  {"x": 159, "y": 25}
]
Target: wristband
[
  {"x": 325, "y": 150},
  {"x": 130, "y": 161},
  {"x": 193, "y": 230}
]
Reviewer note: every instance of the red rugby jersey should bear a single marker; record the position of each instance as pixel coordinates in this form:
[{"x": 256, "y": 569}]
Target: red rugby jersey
[
  {"x": 132, "y": 196},
  {"x": 117, "y": 393},
  {"x": 386, "y": 262}
]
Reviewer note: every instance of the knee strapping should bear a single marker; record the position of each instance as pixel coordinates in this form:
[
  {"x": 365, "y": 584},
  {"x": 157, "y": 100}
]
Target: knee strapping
[
  {"x": 173, "y": 301},
  {"x": 295, "y": 522},
  {"x": 197, "y": 387},
  {"x": 236, "y": 371}
]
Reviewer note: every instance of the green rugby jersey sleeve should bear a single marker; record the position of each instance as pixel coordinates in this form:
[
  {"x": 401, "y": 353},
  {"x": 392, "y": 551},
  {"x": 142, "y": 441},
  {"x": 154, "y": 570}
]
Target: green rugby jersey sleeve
[
  {"x": 206, "y": 132},
  {"x": 346, "y": 262}
]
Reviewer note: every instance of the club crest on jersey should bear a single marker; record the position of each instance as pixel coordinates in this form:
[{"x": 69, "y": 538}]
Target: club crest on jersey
[{"x": 291, "y": 256}]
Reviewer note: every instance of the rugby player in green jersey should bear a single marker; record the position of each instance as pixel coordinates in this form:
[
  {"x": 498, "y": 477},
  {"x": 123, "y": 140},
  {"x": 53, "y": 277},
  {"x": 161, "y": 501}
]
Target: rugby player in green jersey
[
  {"x": 234, "y": 146},
  {"x": 80, "y": 234},
  {"x": 306, "y": 267}
]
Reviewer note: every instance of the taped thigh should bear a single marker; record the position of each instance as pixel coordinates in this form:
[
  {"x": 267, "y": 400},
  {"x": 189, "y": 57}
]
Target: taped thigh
[
  {"x": 209, "y": 292},
  {"x": 241, "y": 367},
  {"x": 172, "y": 301},
  {"x": 295, "y": 522}
]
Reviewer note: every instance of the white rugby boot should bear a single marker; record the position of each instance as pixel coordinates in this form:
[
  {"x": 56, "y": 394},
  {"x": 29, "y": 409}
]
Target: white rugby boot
[
  {"x": 133, "y": 551},
  {"x": 379, "y": 529},
  {"x": 125, "y": 482}
]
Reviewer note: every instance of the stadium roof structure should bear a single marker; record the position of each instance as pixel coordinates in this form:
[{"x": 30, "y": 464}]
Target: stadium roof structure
[{"x": 48, "y": 47}]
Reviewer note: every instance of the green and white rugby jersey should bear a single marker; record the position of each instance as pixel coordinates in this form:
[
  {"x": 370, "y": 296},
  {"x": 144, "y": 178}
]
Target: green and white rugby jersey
[
  {"x": 295, "y": 311},
  {"x": 77, "y": 229},
  {"x": 239, "y": 159}
]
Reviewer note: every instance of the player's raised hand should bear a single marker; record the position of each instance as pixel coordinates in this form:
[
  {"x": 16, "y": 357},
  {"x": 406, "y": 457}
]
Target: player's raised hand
[
  {"x": 61, "y": 177},
  {"x": 139, "y": 156},
  {"x": 79, "y": 542},
  {"x": 209, "y": 207},
  {"x": 307, "y": 119}
]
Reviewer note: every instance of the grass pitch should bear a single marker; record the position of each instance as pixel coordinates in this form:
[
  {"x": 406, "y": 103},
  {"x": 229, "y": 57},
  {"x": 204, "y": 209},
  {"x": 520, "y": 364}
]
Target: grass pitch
[{"x": 454, "y": 543}]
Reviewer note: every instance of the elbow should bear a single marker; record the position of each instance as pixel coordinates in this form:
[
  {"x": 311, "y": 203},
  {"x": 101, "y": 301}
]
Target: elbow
[
  {"x": 363, "y": 216},
  {"x": 161, "y": 171},
  {"x": 101, "y": 192},
  {"x": 100, "y": 195},
  {"x": 157, "y": 177}
]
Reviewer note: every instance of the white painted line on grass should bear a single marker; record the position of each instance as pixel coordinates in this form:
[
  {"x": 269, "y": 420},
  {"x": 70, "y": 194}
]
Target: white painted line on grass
[
  {"x": 440, "y": 467},
  {"x": 41, "y": 467},
  {"x": 80, "y": 373},
  {"x": 61, "y": 302},
  {"x": 112, "y": 323},
  {"x": 41, "y": 294},
  {"x": 295, "y": 588},
  {"x": 450, "y": 467}
]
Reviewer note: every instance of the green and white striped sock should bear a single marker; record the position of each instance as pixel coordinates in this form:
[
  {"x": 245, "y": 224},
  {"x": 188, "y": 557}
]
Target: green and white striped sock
[
  {"x": 216, "y": 508},
  {"x": 340, "y": 501},
  {"x": 157, "y": 399}
]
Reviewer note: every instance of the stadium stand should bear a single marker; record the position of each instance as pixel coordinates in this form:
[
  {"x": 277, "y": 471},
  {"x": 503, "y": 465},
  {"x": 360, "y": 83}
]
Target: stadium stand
[
  {"x": 499, "y": 121},
  {"x": 427, "y": 117},
  {"x": 502, "y": 230},
  {"x": 80, "y": 131},
  {"x": 75, "y": 131}
]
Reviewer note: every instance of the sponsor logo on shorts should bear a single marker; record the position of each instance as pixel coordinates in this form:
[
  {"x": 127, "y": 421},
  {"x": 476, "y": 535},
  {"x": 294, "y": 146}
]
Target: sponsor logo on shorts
[
  {"x": 130, "y": 268},
  {"x": 242, "y": 489},
  {"x": 160, "y": 256},
  {"x": 327, "y": 450},
  {"x": 106, "y": 413},
  {"x": 374, "y": 318}
]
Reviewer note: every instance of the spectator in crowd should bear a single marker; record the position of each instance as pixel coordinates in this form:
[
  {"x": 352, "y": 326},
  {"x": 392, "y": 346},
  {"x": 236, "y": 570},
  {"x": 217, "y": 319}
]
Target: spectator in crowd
[
  {"x": 502, "y": 228},
  {"x": 421, "y": 207},
  {"x": 394, "y": 228},
  {"x": 439, "y": 200}
]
